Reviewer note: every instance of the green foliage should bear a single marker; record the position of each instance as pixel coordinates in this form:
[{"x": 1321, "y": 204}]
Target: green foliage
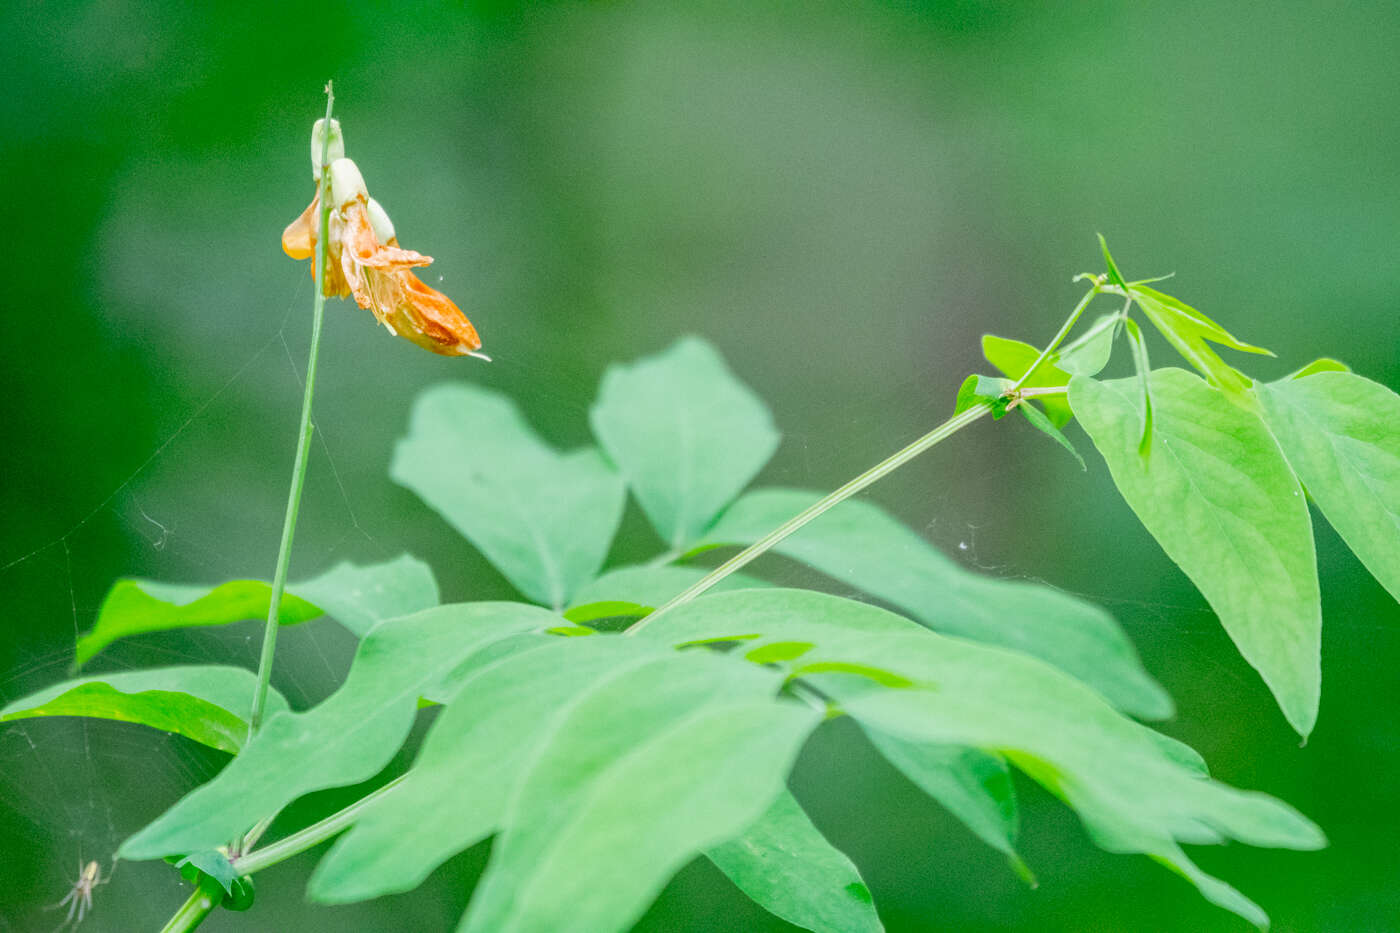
[
  {"x": 357, "y": 597},
  {"x": 206, "y": 703},
  {"x": 685, "y": 433},
  {"x": 1218, "y": 496},
  {"x": 602, "y": 764},
  {"x": 544, "y": 519}
]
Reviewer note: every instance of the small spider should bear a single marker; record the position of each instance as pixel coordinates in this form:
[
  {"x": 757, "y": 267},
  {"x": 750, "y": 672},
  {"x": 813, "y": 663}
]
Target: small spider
[{"x": 79, "y": 898}]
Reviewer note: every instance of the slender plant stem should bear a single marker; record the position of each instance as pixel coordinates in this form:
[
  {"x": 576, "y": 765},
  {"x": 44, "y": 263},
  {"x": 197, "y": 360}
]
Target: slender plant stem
[
  {"x": 875, "y": 473},
  {"x": 289, "y": 523},
  {"x": 192, "y": 913},
  {"x": 304, "y": 839},
  {"x": 1058, "y": 338}
]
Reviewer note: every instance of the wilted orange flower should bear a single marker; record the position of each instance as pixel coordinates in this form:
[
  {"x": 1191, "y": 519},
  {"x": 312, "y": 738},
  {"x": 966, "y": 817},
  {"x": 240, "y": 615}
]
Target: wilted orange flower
[{"x": 364, "y": 260}]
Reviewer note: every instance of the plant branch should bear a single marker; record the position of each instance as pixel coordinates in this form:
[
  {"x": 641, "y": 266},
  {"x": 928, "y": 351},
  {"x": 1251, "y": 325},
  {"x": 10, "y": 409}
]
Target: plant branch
[
  {"x": 304, "y": 839},
  {"x": 875, "y": 473},
  {"x": 1059, "y": 338},
  {"x": 192, "y": 913},
  {"x": 289, "y": 523}
]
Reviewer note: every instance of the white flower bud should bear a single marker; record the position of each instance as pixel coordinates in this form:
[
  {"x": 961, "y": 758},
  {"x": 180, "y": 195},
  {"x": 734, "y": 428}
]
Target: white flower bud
[
  {"x": 379, "y": 220},
  {"x": 347, "y": 184},
  {"x": 318, "y": 143}
]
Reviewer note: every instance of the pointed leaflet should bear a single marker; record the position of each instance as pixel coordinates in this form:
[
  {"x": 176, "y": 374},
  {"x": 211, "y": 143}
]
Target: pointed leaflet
[
  {"x": 347, "y": 738},
  {"x": 1014, "y": 358},
  {"x": 1133, "y": 792},
  {"x": 1187, "y": 330},
  {"x": 1341, "y": 433},
  {"x": 1045, "y": 426},
  {"x": 207, "y": 703},
  {"x": 544, "y": 519},
  {"x": 631, "y": 781},
  {"x": 1222, "y": 502},
  {"x": 1089, "y": 352},
  {"x": 685, "y": 432},
  {"x": 1144, "y": 370},
  {"x": 972, "y": 785},
  {"x": 785, "y": 864},
  {"x": 860, "y": 544},
  {"x": 356, "y": 596}
]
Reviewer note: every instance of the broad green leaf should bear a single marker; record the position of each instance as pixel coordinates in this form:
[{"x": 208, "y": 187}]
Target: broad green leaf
[
  {"x": 457, "y": 791},
  {"x": 347, "y": 738},
  {"x": 653, "y": 586},
  {"x": 1044, "y": 425},
  {"x": 633, "y": 780},
  {"x": 1220, "y": 499},
  {"x": 1324, "y": 364},
  {"x": 1133, "y": 793},
  {"x": 1341, "y": 433},
  {"x": 786, "y": 865},
  {"x": 973, "y": 785},
  {"x": 1014, "y": 358},
  {"x": 1144, "y": 370},
  {"x": 861, "y": 545},
  {"x": 685, "y": 432},
  {"x": 544, "y": 519},
  {"x": 356, "y": 596},
  {"x": 207, "y": 703},
  {"x": 1087, "y": 354}
]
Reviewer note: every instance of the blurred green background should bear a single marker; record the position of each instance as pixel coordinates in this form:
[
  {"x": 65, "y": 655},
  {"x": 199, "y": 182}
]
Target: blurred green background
[{"x": 842, "y": 197}]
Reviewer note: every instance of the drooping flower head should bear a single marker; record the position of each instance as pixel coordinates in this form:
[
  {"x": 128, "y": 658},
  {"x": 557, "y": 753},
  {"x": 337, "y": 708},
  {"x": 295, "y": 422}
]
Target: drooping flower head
[{"x": 364, "y": 258}]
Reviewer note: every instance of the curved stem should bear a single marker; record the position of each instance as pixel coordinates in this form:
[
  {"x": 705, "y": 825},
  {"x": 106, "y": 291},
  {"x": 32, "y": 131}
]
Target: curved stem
[
  {"x": 300, "y": 841},
  {"x": 877, "y": 472},
  {"x": 289, "y": 522},
  {"x": 192, "y": 913}
]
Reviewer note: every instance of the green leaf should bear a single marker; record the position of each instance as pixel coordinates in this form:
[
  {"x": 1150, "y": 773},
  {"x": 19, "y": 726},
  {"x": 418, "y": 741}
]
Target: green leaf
[
  {"x": 202, "y": 702},
  {"x": 1341, "y": 433},
  {"x": 785, "y": 864},
  {"x": 544, "y": 519},
  {"x": 653, "y": 586},
  {"x": 1088, "y": 353},
  {"x": 457, "y": 791},
  {"x": 1014, "y": 358},
  {"x": 967, "y": 395},
  {"x": 1144, "y": 369},
  {"x": 1044, "y": 425},
  {"x": 973, "y": 785},
  {"x": 1323, "y": 364},
  {"x": 356, "y": 596},
  {"x": 1133, "y": 794},
  {"x": 1186, "y": 329},
  {"x": 347, "y": 738},
  {"x": 861, "y": 545},
  {"x": 1114, "y": 276},
  {"x": 632, "y": 780},
  {"x": 607, "y": 609},
  {"x": 1222, "y": 502},
  {"x": 685, "y": 432},
  {"x": 215, "y": 864}
]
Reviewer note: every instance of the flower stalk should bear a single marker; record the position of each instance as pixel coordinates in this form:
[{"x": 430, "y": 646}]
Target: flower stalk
[{"x": 289, "y": 522}]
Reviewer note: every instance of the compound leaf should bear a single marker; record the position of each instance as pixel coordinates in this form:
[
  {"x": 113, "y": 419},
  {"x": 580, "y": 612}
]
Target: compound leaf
[
  {"x": 545, "y": 520},
  {"x": 1221, "y": 500},
  {"x": 685, "y": 432}
]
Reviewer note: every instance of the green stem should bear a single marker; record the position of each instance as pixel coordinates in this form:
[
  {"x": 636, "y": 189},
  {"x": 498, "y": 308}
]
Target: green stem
[
  {"x": 875, "y": 473},
  {"x": 304, "y": 839},
  {"x": 289, "y": 523},
  {"x": 1059, "y": 338},
  {"x": 192, "y": 913}
]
